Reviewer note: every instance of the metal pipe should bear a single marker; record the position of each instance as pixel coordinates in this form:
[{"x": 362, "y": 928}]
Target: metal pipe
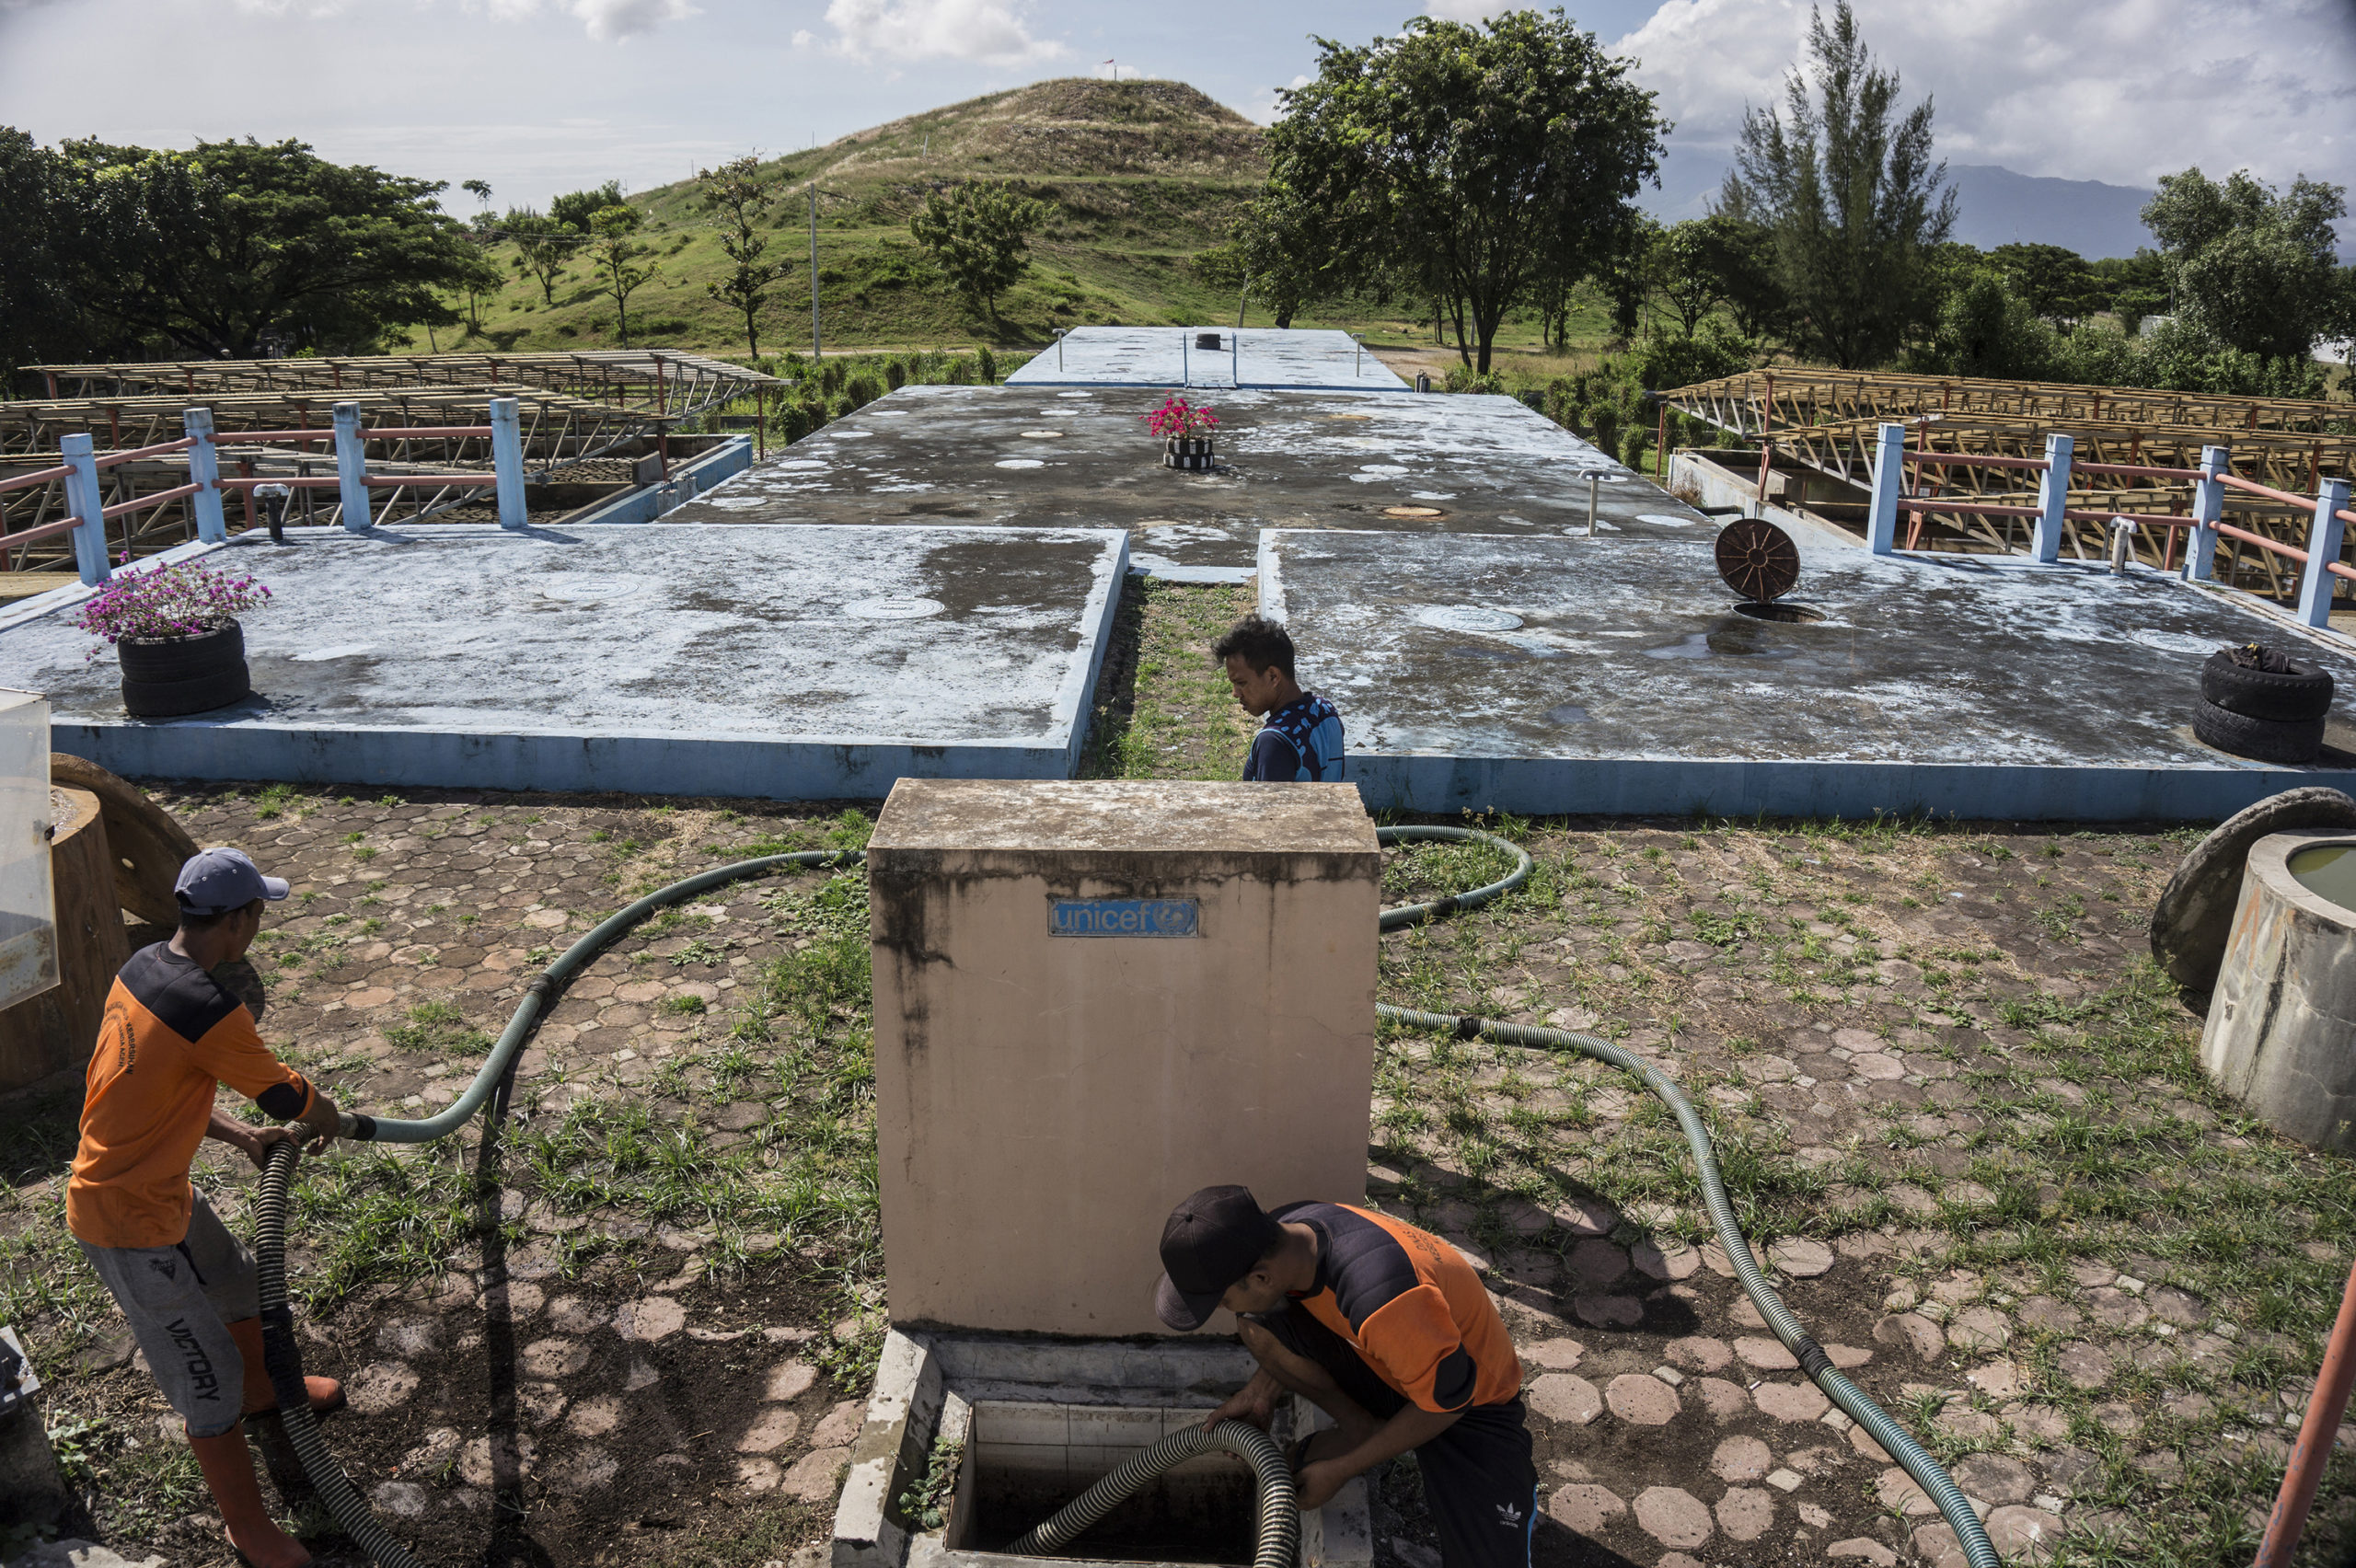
[{"x": 2325, "y": 1405}]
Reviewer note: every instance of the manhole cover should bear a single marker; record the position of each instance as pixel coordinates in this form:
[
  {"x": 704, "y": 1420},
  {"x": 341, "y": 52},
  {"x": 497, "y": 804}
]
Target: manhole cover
[
  {"x": 1413, "y": 511},
  {"x": 892, "y": 607},
  {"x": 1043, "y": 435},
  {"x": 1466, "y": 618},
  {"x": 1758, "y": 559},
  {"x": 1021, "y": 462}
]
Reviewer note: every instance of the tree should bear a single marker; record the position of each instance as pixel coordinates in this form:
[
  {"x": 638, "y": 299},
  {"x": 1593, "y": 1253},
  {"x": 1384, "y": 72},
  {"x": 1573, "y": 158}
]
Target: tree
[
  {"x": 209, "y": 248},
  {"x": 578, "y": 209},
  {"x": 1271, "y": 255},
  {"x": 41, "y": 318},
  {"x": 739, "y": 195},
  {"x": 1685, "y": 270},
  {"x": 2055, "y": 282},
  {"x": 979, "y": 235},
  {"x": 481, "y": 190},
  {"x": 1846, "y": 184},
  {"x": 1472, "y": 164},
  {"x": 2132, "y": 287},
  {"x": 617, "y": 258},
  {"x": 544, "y": 248},
  {"x": 477, "y": 275},
  {"x": 2255, "y": 269},
  {"x": 1985, "y": 328}
]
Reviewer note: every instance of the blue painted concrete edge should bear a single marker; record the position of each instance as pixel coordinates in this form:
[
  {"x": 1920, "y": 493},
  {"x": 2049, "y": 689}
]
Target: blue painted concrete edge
[
  {"x": 784, "y": 770},
  {"x": 1645, "y": 786},
  {"x": 1077, "y": 695},
  {"x": 688, "y": 481}
]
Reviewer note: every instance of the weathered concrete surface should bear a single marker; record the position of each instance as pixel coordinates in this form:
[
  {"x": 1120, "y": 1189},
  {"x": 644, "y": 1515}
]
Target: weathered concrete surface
[
  {"x": 1043, "y": 1099},
  {"x": 2280, "y": 1035},
  {"x": 1167, "y": 357},
  {"x": 779, "y": 663},
  {"x": 1009, "y": 455},
  {"x": 1613, "y": 674}
]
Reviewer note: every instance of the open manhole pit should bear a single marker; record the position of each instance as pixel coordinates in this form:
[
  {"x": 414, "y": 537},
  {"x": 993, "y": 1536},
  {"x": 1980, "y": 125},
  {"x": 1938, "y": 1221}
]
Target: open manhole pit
[
  {"x": 1776, "y": 610},
  {"x": 1028, "y": 1460}
]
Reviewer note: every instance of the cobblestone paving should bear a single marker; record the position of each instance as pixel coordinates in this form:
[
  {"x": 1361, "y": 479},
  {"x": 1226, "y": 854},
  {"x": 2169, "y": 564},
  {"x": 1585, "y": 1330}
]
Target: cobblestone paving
[{"x": 1956, "y": 1110}]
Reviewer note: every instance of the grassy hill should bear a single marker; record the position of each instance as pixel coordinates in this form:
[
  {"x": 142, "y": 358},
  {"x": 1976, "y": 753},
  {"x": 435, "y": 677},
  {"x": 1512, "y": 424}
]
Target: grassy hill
[{"x": 1142, "y": 177}]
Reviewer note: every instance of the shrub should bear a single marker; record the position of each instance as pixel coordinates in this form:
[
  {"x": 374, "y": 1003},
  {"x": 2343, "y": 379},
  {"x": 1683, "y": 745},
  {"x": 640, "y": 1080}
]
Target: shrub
[
  {"x": 863, "y": 389},
  {"x": 988, "y": 363},
  {"x": 895, "y": 375},
  {"x": 959, "y": 372}
]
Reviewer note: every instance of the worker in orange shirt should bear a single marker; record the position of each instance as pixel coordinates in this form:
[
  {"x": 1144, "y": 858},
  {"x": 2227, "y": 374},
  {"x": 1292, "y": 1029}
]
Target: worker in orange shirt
[
  {"x": 171, "y": 1036},
  {"x": 1387, "y": 1329}
]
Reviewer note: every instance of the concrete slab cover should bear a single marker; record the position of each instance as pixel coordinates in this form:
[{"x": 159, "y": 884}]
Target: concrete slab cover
[
  {"x": 1042, "y": 1103},
  {"x": 793, "y": 663},
  {"x": 1626, "y": 681},
  {"x": 1167, "y": 356},
  {"x": 1289, "y": 459}
]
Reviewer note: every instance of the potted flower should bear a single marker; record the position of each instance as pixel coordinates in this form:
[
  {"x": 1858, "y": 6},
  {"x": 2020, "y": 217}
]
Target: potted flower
[
  {"x": 175, "y": 631},
  {"x": 1186, "y": 430}
]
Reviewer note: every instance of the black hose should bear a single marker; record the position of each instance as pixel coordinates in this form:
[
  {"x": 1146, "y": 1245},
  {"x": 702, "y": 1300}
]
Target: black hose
[
  {"x": 1279, "y": 1533},
  {"x": 284, "y": 1362}
]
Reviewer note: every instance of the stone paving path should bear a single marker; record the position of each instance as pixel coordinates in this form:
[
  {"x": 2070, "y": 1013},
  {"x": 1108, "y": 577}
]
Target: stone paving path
[{"x": 1910, "y": 1048}]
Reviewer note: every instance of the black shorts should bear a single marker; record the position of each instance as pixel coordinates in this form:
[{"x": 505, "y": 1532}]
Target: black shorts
[{"x": 1480, "y": 1481}]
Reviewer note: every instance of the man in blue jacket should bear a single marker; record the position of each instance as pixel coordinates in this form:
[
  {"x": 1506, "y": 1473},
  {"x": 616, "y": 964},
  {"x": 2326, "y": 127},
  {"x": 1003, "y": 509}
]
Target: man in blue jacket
[{"x": 1300, "y": 737}]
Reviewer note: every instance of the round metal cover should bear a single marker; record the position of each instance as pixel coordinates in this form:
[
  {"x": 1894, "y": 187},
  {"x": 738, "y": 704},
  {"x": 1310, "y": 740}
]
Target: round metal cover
[{"x": 1758, "y": 559}]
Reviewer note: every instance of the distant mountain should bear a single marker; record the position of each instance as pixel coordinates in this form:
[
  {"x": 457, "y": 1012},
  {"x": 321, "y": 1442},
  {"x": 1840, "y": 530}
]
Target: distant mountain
[{"x": 1994, "y": 206}]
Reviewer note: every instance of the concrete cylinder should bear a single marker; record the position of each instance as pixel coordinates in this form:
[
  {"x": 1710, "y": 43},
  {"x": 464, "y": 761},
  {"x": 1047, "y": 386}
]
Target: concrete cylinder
[
  {"x": 53, "y": 1032},
  {"x": 2282, "y": 1029}
]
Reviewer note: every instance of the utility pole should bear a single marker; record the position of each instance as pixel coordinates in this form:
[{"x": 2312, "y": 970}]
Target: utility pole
[{"x": 817, "y": 351}]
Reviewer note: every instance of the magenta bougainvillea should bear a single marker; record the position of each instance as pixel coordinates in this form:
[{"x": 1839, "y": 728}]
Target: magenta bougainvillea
[
  {"x": 1179, "y": 418},
  {"x": 181, "y": 600}
]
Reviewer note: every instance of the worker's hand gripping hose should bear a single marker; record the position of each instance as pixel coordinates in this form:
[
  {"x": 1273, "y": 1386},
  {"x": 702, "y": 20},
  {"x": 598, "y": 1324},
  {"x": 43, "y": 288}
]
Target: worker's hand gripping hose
[
  {"x": 1928, "y": 1473},
  {"x": 1279, "y": 1538},
  {"x": 352, "y": 1512}
]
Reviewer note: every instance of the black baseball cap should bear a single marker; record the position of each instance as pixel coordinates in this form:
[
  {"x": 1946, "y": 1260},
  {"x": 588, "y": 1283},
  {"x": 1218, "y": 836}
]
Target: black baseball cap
[{"x": 1211, "y": 1240}]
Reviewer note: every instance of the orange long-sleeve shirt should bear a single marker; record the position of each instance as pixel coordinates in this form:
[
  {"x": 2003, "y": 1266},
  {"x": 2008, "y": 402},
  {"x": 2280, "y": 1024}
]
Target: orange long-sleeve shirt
[{"x": 171, "y": 1037}]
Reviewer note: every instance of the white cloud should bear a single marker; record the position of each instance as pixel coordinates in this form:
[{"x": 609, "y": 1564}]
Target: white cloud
[
  {"x": 985, "y": 32},
  {"x": 2115, "y": 90},
  {"x": 606, "y": 21}
]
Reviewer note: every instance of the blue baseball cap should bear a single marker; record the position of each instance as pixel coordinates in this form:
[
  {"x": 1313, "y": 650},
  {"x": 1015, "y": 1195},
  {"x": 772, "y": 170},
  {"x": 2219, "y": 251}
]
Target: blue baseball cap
[{"x": 217, "y": 881}]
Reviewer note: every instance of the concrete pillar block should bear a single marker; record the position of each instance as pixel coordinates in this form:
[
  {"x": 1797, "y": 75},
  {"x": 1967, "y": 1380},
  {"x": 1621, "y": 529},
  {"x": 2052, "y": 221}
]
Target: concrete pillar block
[
  {"x": 2052, "y": 496},
  {"x": 204, "y": 469},
  {"x": 87, "y": 501},
  {"x": 507, "y": 460},
  {"x": 1889, "y": 480},
  {"x": 2323, "y": 549},
  {"x": 1092, "y": 999},
  {"x": 2282, "y": 1029},
  {"x": 352, "y": 467},
  {"x": 2208, "y": 507}
]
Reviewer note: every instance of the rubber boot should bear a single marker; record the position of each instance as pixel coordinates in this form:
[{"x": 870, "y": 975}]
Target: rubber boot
[
  {"x": 326, "y": 1393},
  {"x": 229, "y": 1471}
]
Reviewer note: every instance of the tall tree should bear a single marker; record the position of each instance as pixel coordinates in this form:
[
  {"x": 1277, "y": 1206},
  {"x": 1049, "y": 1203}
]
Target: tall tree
[
  {"x": 738, "y": 195},
  {"x": 1470, "y": 164},
  {"x": 1685, "y": 270},
  {"x": 544, "y": 248},
  {"x": 2053, "y": 281},
  {"x": 40, "y": 315},
  {"x": 2254, "y": 269},
  {"x": 1742, "y": 249},
  {"x": 979, "y": 235},
  {"x": 578, "y": 209},
  {"x": 1846, "y": 182},
  {"x": 619, "y": 270},
  {"x": 209, "y": 248}
]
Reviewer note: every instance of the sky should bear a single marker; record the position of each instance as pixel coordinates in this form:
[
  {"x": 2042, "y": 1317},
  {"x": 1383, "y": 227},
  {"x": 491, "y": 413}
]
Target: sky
[{"x": 542, "y": 96}]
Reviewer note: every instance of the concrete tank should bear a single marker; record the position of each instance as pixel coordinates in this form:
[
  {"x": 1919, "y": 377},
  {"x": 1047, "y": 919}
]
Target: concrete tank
[
  {"x": 2281, "y": 1029},
  {"x": 1090, "y": 1000}
]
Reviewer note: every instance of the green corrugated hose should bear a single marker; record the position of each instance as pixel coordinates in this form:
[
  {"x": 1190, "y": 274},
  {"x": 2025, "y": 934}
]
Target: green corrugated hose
[{"x": 352, "y": 1511}]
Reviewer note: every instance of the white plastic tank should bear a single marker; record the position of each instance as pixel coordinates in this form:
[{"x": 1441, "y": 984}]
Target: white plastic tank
[{"x": 28, "y": 900}]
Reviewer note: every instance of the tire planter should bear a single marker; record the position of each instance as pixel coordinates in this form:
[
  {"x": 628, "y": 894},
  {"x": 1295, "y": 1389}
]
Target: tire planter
[
  {"x": 1188, "y": 452},
  {"x": 165, "y": 677},
  {"x": 2290, "y": 741},
  {"x": 2294, "y": 695}
]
